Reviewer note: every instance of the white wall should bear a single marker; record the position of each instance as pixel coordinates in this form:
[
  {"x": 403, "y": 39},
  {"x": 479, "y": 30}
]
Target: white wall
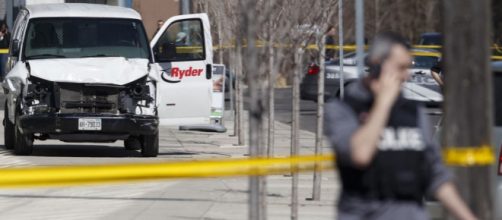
[
  {"x": 3, "y": 9},
  {"x": 34, "y": 2}
]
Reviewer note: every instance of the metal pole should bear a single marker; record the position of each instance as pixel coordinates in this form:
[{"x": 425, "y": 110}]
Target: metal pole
[
  {"x": 122, "y": 3},
  {"x": 360, "y": 36},
  {"x": 9, "y": 6},
  {"x": 185, "y": 7},
  {"x": 340, "y": 48}
]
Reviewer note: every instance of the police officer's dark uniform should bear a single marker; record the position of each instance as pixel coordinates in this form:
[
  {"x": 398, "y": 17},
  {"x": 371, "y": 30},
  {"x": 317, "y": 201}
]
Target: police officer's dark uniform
[{"x": 406, "y": 166}]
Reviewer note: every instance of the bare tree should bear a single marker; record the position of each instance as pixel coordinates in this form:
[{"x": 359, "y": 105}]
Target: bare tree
[
  {"x": 275, "y": 27},
  {"x": 248, "y": 12},
  {"x": 305, "y": 27},
  {"x": 324, "y": 25},
  {"x": 255, "y": 80},
  {"x": 227, "y": 15}
]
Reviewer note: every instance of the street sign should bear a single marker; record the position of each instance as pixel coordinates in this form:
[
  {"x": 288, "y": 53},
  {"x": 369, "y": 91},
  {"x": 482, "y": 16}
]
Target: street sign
[{"x": 218, "y": 104}]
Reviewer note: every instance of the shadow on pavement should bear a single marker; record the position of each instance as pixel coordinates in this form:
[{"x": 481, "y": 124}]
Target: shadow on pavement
[
  {"x": 82, "y": 151},
  {"x": 89, "y": 150},
  {"x": 6, "y": 196}
]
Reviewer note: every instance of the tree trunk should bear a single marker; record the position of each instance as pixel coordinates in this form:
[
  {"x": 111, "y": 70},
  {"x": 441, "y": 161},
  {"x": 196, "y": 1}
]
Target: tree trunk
[
  {"x": 468, "y": 99},
  {"x": 232, "y": 67},
  {"x": 295, "y": 129},
  {"x": 271, "y": 96},
  {"x": 239, "y": 102},
  {"x": 220, "y": 39},
  {"x": 316, "y": 192},
  {"x": 256, "y": 189}
]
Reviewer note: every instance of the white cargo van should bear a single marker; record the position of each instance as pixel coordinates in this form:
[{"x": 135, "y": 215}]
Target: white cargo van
[{"x": 87, "y": 73}]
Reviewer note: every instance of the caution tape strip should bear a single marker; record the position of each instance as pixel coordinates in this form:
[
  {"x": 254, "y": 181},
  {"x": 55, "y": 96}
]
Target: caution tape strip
[
  {"x": 469, "y": 156},
  {"x": 94, "y": 174},
  {"x": 353, "y": 47}
]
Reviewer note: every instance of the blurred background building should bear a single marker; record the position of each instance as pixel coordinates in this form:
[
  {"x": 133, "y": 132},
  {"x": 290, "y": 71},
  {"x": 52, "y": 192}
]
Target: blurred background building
[{"x": 150, "y": 10}]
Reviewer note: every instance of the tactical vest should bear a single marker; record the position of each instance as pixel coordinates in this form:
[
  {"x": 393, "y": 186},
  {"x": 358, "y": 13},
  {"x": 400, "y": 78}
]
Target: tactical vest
[{"x": 398, "y": 170}]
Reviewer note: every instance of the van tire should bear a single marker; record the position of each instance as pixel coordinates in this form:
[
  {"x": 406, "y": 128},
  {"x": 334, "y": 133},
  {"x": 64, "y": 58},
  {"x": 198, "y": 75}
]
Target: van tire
[
  {"x": 24, "y": 143},
  {"x": 150, "y": 145},
  {"x": 132, "y": 143},
  {"x": 8, "y": 132}
]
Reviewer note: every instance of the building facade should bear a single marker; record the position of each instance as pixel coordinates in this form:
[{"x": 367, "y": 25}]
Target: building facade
[{"x": 151, "y": 10}]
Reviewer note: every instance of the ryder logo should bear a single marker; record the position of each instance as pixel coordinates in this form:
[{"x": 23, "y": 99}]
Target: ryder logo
[{"x": 175, "y": 75}]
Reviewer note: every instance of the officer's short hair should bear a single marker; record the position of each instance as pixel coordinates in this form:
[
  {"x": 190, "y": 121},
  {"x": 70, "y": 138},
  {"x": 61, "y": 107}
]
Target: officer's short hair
[{"x": 380, "y": 49}]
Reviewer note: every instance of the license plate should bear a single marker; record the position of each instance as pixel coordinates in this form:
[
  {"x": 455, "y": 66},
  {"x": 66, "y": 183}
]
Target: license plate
[
  {"x": 332, "y": 75},
  {"x": 89, "y": 124}
]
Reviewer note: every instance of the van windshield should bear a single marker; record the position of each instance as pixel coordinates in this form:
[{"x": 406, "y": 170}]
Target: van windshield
[{"x": 85, "y": 37}]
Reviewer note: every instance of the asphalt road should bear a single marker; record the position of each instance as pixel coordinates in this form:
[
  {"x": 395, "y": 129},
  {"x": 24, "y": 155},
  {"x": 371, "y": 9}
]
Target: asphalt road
[
  {"x": 283, "y": 106},
  {"x": 308, "y": 111}
]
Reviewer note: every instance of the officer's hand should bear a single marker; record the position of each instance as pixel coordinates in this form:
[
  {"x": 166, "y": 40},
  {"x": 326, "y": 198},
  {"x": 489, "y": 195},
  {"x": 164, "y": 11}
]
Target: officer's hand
[{"x": 388, "y": 86}]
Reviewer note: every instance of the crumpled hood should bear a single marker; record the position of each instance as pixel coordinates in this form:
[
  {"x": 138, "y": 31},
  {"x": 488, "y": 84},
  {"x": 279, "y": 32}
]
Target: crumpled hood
[{"x": 106, "y": 70}]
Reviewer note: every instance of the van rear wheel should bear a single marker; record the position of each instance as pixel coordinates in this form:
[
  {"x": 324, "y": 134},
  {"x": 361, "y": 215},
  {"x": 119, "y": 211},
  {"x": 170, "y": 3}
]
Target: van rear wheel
[{"x": 150, "y": 145}]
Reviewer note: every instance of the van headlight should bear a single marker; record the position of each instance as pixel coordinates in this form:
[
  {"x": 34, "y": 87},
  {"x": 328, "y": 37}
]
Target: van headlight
[
  {"x": 38, "y": 95},
  {"x": 135, "y": 94}
]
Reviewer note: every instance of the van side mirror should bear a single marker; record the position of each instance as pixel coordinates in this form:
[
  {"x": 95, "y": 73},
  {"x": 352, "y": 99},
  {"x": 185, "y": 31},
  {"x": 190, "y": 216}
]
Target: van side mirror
[{"x": 15, "y": 48}]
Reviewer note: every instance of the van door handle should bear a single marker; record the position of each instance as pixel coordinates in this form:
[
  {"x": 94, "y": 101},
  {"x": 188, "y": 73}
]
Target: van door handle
[{"x": 209, "y": 71}]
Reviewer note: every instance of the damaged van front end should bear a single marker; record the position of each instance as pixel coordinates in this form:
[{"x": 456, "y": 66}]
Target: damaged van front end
[
  {"x": 96, "y": 88},
  {"x": 53, "y": 105},
  {"x": 87, "y": 73}
]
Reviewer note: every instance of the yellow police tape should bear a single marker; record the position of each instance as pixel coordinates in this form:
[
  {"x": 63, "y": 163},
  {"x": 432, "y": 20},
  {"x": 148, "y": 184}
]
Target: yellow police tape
[
  {"x": 4, "y": 51},
  {"x": 109, "y": 173},
  {"x": 189, "y": 49},
  {"x": 93, "y": 174},
  {"x": 353, "y": 47},
  {"x": 469, "y": 156}
]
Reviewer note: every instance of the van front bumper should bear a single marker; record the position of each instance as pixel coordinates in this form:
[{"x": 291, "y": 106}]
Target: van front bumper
[{"x": 68, "y": 124}]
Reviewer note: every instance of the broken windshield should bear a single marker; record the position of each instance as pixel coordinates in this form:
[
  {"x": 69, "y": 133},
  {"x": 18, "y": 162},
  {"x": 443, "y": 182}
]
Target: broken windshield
[{"x": 85, "y": 37}]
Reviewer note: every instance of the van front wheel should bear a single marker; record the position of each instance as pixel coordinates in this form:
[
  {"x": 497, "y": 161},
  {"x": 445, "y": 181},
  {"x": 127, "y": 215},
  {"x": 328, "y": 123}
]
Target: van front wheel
[
  {"x": 9, "y": 133},
  {"x": 150, "y": 145},
  {"x": 24, "y": 143},
  {"x": 132, "y": 143}
]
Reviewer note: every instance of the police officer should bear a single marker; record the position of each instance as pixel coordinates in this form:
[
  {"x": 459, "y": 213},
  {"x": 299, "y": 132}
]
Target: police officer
[{"x": 385, "y": 154}]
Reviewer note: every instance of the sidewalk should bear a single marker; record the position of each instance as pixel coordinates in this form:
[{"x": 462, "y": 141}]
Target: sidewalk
[
  {"x": 232, "y": 201},
  {"x": 216, "y": 198}
]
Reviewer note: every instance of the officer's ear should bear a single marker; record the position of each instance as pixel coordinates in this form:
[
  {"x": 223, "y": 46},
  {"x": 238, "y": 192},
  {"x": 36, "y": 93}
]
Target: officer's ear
[{"x": 374, "y": 66}]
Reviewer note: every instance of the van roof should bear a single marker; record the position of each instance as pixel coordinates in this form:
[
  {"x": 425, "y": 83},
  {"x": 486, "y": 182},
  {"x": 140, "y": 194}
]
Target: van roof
[{"x": 81, "y": 10}]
